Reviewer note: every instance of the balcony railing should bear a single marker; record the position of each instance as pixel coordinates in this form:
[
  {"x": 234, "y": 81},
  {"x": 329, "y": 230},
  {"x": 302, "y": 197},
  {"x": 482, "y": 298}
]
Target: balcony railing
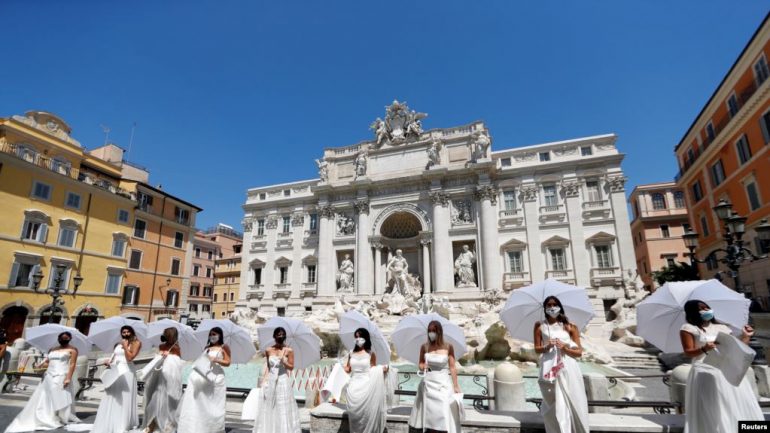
[
  {"x": 610, "y": 272},
  {"x": 508, "y": 213},
  {"x": 284, "y": 234},
  {"x": 63, "y": 169},
  {"x": 720, "y": 126},
  {"x": 308, "y": 289},
  {"x": 562, "y": 274},
  {"x": 597, "y": 204},
  {"x": 551, "y": 208}
]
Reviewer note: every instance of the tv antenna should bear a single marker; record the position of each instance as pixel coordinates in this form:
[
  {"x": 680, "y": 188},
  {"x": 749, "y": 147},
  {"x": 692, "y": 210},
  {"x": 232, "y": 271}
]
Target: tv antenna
[{"x": 106, "y": 130}]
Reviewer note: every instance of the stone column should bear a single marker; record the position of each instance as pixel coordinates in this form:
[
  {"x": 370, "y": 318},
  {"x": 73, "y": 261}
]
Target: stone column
[
  {"x": 426, "y": 268},
  {"x": 443, "y": 277},
  {"x": 492, "y": 277},
  {"x": 363, "y": 277},
  {"x": 378, "y": 278},
  {"x": 528, "y": 197},
  {"x": 626, "y": 256},
  {"x": 581, "y": 260},
  {"x": 326, "y": 271}
]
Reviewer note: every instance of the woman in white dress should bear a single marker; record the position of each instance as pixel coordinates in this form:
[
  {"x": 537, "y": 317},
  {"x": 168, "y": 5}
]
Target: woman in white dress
[
  {"x": 203, "y": 404},
  {"x": 712, "y": 404},
  {"x": 564, "y": 407},
  {"x": 117, "y": 411},
  {"x": 163, "y": 385},
  {"x": 435, "y": 407},
  {"x": 366, "y": 393},
  {"x": 279, "y": 412},
  {"x": 56, "y": 389}
]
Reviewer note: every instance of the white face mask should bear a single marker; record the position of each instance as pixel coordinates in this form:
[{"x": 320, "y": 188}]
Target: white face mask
[
  {"x": 553, "y": 311},
  {"x": 432, "y": 336},
  {"x": 360, "y": 342},
  {"x": 213, "y": 339}
]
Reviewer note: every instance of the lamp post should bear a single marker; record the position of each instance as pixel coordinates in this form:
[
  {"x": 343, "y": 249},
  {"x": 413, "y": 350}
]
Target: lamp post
[
  {"x": 56, "y": 291},
  {"x": 734, "y": 254}
]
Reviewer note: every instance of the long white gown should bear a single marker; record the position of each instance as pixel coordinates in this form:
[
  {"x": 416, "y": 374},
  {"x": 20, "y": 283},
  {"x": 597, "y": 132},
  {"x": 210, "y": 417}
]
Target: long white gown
[
  {"x": 279, "y": 412},
  {"x": 435, "y": 407},
  {"x": 163, "y": 394},
  {"x": 712, "y": 404},
  {"x": 39, "y": 413},
  {"x": 118, "y": 409},
  {"x": 203, "y": 404},
  {"x": 366, "y": 396},
  {"x": 565, "y": 406}
]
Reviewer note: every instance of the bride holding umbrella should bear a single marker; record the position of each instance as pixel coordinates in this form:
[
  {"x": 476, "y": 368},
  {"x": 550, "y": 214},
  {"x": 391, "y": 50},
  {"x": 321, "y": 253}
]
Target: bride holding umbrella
[{"x": 551, "y": 314}]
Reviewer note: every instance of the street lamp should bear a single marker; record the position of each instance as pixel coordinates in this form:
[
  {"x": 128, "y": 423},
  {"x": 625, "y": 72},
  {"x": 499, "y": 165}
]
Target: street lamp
[
  {"x": 56, "y": 291},
  {"x": 152, "y": 299}
]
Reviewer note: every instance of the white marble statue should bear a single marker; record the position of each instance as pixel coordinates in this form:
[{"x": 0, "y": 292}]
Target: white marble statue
[
  {"x": 361, "y": 163},
  {"x": 346, "y": 274},
  {"x": 434, "y": 153},
  {"x": 398, "y": 269},
  {"x": 464, "y": 268},
  {"x": 461, "y": 212},
  {"x": 345, "y": 225},
  {"x": 481, "y": 144},
  {"x": 323, "y": 169},
  {"x": 380, "y": 131}
]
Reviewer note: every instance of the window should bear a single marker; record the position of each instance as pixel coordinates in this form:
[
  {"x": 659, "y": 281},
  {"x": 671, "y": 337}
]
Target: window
[
  {"x": 549, "y": 195},
  {"x": 21, "y": 274},
  {"x": 207, "y": 291},
  {"x": 704, "y": 225},
  {"x": 509, "y": 199},
  {"x": 195, "y": 290},
  {"x": 262, "y": 195},
  {"x": 34, "y": 229},
  {"x": 286, "y": 224},
  {"x": 603, "y": 256},
  {"x": 761, "y": 71},
  {"x": 311, "y": 273},
  {"x": 710, "y": 133},
  {"x": 196, "y": 270},
  {"x": 55, "y": 275},
  {"x": 717, "y": 173},
  {"x": 123, "y": 216},
  {"x": 309, "y": 308},
  {"x": 182, "y": 216},
  {"x": 697, "y": 192},
  {"x": 172, "y": 298},
  {"x": 690, "y": 155},
  {"x": 131, "y": 295},
  {"x": 178, "y": 239},
  {"x": 260, "y": 227},
  {"x": 209, "y": 272},
  {"x": 557, "y": 259},
  {"x": 193, "y": 308},
  {"x": 732, "y": 105},
  {"x": 586, "y": 151},
  {"x": 685, "y": 227},
  {"x": 41, "y": 191},
  {"x": 744, "y": 150},
  {"x": 670, "y": 262},
  {"x": 284, "y": 275},
  {"x": 257, "y": 276},
  {"x": 764, "y": 123},
  {"x": 514, "y": 261},
  {"x": 113, "y": 284},
  {"x": 216, "y": 296},
  {"x": 281, "y": 311},
  {"x": 145, "y": 201},
  {"x": 286, "y": 192},
  {"x": 72, "y": 200},
  {"x": 67, "y": 236},
  {"x": 711, "y": 262},
  {"x": 135, "y": 261},
  {"x": 545, "y": 156},
  {"x": 753, "y": 193},
  {"x": 664, "y": 231},
  {"x": 762, "y": 247},
  {"x": 593, "y": 191},
  {"x": 658, "y": 201},
  {"x": 505, "y": 162},
  {"x": 205, "y": 308},
  {"x": 140, "y": 228},
  {"x": 175, "y": 263},
  {"x": 118, "y": 246},
  {"x": 313, "y": 221},
  {"x": 197, "y": 252},
  {"x": 211, "y": 255},
  {"x": 679, "y": 199}
]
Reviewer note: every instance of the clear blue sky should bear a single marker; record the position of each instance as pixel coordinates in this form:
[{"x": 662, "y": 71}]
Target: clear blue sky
[{"x": 234, "y": 94}]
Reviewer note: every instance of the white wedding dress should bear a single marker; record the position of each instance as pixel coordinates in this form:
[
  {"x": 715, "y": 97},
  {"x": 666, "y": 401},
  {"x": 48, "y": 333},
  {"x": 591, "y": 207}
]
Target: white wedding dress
[
  {"x": 279, "y": 412},
  {"x": 366, "y": 396},
  {"x": 163, "y": 393},
  {"x": 435, "y": 407},
  {"x": 39, "y": 413},
  {"x": 564, "y": 407},
  {"x": 203, "y": 404},
  {"x": 712, "y": 404},
  {"x": 117, "y": 411}
]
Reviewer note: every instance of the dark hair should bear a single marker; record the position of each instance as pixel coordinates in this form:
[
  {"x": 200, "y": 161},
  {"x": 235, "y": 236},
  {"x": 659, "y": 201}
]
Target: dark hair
[
  {"x": 562, "y": 318},
  {"x": 67, "y": 333},
  {"x": 277, "y": 330},
  {"x": 3, "y": 336},
  {"x": 217, "y": 330},
  {"x": 364, "y": 333},
  {"x": 172, "y": 336},
  {"x": 692, "y": 312},
  {"x": 129, "y": 329},
  {"x": 439, "y": 333}
]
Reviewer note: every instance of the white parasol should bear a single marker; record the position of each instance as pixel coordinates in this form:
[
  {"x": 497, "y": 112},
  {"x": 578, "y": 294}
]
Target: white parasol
[
  {"x": 105, "y": 334},
  {"x": 306, "y": 345},
  {"x": 353, "y": 320},
  {"x": 46, "y": 337},
  {"x": 189, "y": 346},
  {"x": 237, "y": 338},
  {"x": 411, "y": 334}
]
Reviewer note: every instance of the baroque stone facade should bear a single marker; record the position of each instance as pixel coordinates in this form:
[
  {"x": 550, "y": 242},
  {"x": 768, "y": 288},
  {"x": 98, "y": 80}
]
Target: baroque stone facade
[{"x": 554, "y": 210}]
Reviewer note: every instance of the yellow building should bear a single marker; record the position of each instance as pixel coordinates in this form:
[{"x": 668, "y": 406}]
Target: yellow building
[
  {"x": 62, "y": 211},
  {"x": 227, "y": 280}
]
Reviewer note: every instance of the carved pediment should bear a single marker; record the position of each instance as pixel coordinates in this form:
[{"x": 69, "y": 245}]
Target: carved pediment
[
  {"x": 555, "y": 241},
  {"x": 513, "y": 245},
  {"x": 600, "y": 237}
]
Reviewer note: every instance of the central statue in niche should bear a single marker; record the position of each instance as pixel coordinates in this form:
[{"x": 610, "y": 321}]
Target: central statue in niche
[
  {"x": 398, "y": 268},
  {"x": 464, "y": 268}
]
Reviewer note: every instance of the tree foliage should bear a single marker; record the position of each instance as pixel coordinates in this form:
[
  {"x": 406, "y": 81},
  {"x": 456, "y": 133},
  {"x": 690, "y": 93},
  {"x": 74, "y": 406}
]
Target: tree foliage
[{"x": 678, "y": 272}]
